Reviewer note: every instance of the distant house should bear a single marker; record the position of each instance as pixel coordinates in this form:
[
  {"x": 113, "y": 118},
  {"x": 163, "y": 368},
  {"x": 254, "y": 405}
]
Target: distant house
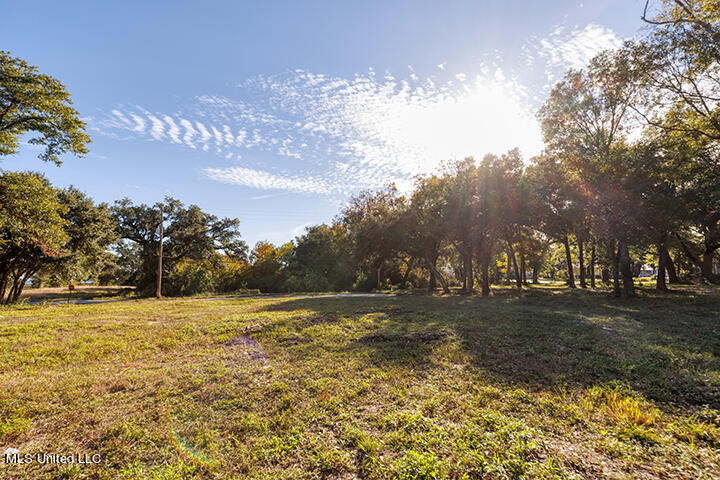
[{"x": 646, "y": 271}]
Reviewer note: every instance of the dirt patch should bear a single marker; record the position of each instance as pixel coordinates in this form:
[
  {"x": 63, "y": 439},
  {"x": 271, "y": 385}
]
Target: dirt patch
[
  {"x": 592, "y": 463},
  {"x": 249, "y": 346}
]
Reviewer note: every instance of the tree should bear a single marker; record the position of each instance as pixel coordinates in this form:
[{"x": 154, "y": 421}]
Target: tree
[
  {"x": 554, "y": 204},
  {"x": 461, "y": 222},
  {"x": 373, "y": 221},
  {"x": 190, "y": 234},
  {"x": 656, "y": 185},
  {"x": 505, "y": 215},
  {"x": 680, "y": 62},
  {"x": 37, "y": 103},
  {"x": 319, "y": 261},
  {"x": 426, "y": 226},
  {"x": 90, "y": 229},
  {"x": 266, "y": 271},
  {"x": 584, "y": 122},
  {"x": 31, "y": 229},
  {"x": 699, "y": 195}
]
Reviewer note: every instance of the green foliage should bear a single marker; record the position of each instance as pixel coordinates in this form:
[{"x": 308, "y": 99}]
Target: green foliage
[
  {"x": 191, "y": 277},
  {"x": 374, "y": 222},
  {"x": 319, "y": 262},
  {"x": 31, "y": 102},
  {"x": 91, "y": 229},
  {"x": 190, "y": 234},
  {"x": 420, "y": 466},
  {"x": 31, "y": 229},
  {"x": 30, "y": 211},
  {"x": 265, "y": 271}
]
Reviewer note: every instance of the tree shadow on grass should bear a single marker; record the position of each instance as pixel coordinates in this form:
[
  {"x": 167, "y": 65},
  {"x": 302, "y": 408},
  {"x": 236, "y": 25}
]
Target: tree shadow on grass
[
  {"x": 665, "y": 346},
  {"x": 384, "y": 330}
]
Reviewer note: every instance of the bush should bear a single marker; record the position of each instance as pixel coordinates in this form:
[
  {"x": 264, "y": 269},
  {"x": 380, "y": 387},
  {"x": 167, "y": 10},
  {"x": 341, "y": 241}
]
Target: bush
[
  {"x": 308, "y": 282},
  {"x": 191, "y": 277}
]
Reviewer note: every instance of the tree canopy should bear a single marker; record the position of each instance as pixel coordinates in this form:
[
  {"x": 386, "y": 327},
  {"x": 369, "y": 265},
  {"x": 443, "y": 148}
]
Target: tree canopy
[
  {"x": 37, "y": 104},
  {"x": 32, "y": 229}
]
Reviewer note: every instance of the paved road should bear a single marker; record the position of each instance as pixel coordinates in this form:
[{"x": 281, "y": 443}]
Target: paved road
[{"x": 81, "y": 301}]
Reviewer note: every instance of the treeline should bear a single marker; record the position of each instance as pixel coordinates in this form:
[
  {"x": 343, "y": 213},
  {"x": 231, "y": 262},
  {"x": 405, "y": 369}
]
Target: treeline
[
  {"x": 475, "y": 223},
  {"x": 630, "y": 168},
  {"x": 630, "y": 175}
]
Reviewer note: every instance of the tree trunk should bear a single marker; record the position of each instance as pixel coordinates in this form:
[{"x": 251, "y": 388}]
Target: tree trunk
[
  {"x": 11, "y": 294},
  {"x": 706, "y": 266},
  {"x": 485, "y": 267},
  {"x": 20, "y": 285},
  {"x": 535, "y": 276},
  {"x": 628, "y": 289},
  {"x": 508, "y": 278},
  {"x": 439, "y": 276},
  {"x": 705, "y": 263},
  {"x": 470, "y": 283},
  {"x": 17, "y": 288},
  {"x": 523, "y": 269},
  {"x": 581, "y": 259},
  {"x": 378, "y": 278},
  {"x": 3, "y": 283},
  {"x": 432, "y": 258},
  {"x": 662, "y": 258},
  {"x": 568, "y": 258},
  {"x": 613, "y": 256},
  {"x": 3, "y": 286},
  {"x": 670, "y": 267},
  {"x": 592, "y": 266},
  {"x": 511, "y": 254}
]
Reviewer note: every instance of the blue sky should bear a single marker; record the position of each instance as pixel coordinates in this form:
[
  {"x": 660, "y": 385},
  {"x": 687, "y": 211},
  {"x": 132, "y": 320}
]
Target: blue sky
[{"x": 276, "y": 112}]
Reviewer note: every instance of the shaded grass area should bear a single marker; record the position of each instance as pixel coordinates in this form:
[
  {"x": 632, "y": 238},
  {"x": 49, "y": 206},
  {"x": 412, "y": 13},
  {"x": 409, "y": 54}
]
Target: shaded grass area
[
  {"x": 80, "y": 292},
  {"x": 545, "y": 383}
]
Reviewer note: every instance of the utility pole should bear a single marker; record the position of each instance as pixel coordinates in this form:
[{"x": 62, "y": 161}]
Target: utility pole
[{"x": 158, "y": 292}]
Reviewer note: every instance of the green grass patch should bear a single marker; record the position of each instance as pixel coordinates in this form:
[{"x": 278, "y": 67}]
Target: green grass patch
[{"x": 544, "y": 383}]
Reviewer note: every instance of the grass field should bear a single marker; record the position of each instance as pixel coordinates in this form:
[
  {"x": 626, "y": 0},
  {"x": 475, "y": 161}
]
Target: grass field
[{"x": 547, "y": 383}]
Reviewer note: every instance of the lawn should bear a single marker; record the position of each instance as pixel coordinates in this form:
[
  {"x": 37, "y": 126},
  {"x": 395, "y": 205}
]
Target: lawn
[{"x": 546, "y": 383}]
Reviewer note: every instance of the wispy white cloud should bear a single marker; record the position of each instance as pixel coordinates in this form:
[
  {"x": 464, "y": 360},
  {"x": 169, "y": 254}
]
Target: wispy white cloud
[
  {"x": 314, "y": 133},
  {"x": 173, "y": 130},
  {"x": 269, "y": 195},
  {"x": 301, "y": 229},
  {"x": 190, "y": 132},
  {"x": 157, "y": 130},
  {"x": 139, "y": 123},
  {"x": 574, "y": 48},
  {"x": 266, "y": 181}
]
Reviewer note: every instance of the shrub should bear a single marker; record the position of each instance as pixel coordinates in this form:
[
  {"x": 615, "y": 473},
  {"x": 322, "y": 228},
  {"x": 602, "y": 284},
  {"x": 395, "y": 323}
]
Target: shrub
[{"x": 191, "y": 277}]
